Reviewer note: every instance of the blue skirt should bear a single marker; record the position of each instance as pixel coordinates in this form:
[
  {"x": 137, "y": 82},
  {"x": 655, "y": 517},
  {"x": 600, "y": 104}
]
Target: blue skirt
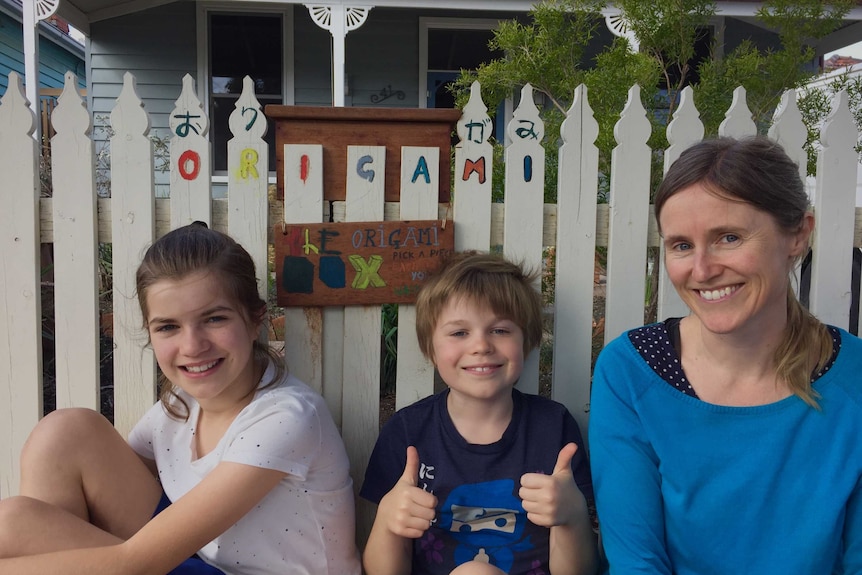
[{"x": 193, "y": 565}]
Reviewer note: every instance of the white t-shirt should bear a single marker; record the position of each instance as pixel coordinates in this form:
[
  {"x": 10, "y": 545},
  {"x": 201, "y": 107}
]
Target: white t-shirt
[{"x": 306, "y": 523}]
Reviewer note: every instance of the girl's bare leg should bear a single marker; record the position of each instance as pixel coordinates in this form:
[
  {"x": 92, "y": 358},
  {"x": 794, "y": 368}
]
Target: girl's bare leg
[
  {"x": 77, "y": 470},
  {"x": 29, "y": 526}
]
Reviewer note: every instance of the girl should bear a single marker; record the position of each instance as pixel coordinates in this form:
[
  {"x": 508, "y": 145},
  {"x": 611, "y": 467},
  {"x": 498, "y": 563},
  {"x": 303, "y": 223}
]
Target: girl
[{"x": 239, "y": 465}]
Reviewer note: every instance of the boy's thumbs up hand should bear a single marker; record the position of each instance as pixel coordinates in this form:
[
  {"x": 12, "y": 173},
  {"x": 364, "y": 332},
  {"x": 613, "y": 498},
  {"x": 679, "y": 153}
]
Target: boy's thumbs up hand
[
  {"x": 564, "y": 459},
  {"x": 411, "y": 468},
  {"x": 407, "y": 510},
  {"x": 554, "y": 499}
]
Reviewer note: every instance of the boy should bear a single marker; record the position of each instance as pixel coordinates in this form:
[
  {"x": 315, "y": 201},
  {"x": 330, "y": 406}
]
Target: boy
[{"x": 479, "y": 478}]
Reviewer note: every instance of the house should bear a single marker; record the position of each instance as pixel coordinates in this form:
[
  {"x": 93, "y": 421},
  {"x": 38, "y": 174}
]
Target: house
[
  {"x": 392, "y": 53},
  {"x": 837, "y": 62},
  {"x": 58, "y": 51}
]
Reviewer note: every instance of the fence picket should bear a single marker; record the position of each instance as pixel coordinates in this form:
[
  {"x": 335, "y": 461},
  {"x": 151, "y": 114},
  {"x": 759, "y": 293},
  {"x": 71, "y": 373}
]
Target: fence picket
[
  {"x": 683, "y": 130},
  {"x": 834, "y": 202},
  {"x": 303, "y": 328},
  {"x": 577, "y": 191},
  {"x": 248, "y": 166},
  {"x": 627, "y": 227},
  {"x": 133, "y": 217},
  {"x": 20, "y": 302},
  {"x": 789, "y": 130},
  {"x": 76, "y": 306},
  {"x": 191, "y": 198},
  {"x": 414, "y": 373},
  {"x": 737, "y": 121},
  {"x": 362, "y": 327},
  {"x": 474, "y": 166},
  {"x": 524, "y": 204}
]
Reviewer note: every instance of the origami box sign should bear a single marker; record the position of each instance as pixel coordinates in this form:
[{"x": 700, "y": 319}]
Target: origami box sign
[{"x": 357, "y": 263}]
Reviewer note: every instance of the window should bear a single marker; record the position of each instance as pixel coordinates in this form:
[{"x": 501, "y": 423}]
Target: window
[
  {"x": 243, "y": 45},
  {"x": 448, "y": 45}
]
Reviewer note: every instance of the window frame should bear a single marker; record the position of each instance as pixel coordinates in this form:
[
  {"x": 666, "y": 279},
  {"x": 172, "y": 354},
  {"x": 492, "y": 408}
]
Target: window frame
[
  {"x": 426, "y": 24},
  {"x": 203, "y": 12}
]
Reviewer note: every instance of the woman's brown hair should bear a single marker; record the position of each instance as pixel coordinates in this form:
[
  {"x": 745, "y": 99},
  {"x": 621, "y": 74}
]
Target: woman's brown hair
[{"x": 757, "y": 171}]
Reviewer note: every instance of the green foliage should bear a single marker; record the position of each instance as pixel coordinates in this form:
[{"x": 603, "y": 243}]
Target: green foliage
[
  {"x": 766, "y": 74},
  {"x": 104, "y": 132},
  {"x": 815, "y": 103},
  {"x": 550, "y": 53},
  {"x": 608, "y": 84},
  {"x": 666, "y": 31},
  {"x": 389, "y": 348}
]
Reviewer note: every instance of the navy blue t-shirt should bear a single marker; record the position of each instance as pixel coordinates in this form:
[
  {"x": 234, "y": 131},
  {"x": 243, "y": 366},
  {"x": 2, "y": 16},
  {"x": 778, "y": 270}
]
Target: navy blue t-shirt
[{"x": 479, "y": 512}]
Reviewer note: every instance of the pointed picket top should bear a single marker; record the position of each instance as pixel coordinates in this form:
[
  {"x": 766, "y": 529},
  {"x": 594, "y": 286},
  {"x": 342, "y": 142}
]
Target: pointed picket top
[
  {"x": 71, "y": 115},
  {"x": 839, "y": 129},
  {"x": 737, "y": 121},
  {"x": 475, "y": 124},
  {"x": 15, "y": 108},
  {"x": 789, "y": 130},
  {"x": 633, "y": 126},
  {"x": 247, "y": 120},
  {"x": 787, "y": 124},
  {"x": 188, "y": 118},
  {"x": 685, "y": 128},
  {"x": 525, "y": 125},
  {"x": 128, "y": 116},
  {"x": 580, "y": 123}
]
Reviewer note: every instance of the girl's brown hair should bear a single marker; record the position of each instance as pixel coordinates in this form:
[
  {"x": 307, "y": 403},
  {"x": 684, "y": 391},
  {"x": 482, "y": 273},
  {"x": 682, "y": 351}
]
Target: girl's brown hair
[{"x": 196, "y": 248}]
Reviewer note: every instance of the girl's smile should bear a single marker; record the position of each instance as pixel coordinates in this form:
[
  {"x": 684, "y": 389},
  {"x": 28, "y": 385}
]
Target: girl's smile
[{"x": 202, "y": 342}]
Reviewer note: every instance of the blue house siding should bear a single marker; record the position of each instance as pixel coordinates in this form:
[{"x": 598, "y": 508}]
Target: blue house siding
[
  {"x": 156, "y": 45},
  {"x": 54, "y": 60}
]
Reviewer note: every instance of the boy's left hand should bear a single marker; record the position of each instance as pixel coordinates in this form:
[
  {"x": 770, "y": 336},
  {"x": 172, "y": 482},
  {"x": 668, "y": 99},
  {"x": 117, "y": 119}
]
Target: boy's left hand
[{"x": 551, "y": 500}]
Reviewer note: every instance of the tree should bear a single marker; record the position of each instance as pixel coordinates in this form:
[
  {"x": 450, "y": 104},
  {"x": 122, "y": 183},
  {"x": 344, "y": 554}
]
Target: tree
[
  {"x": 551, "y": 52},
  {"x": 815, "y": 103}
]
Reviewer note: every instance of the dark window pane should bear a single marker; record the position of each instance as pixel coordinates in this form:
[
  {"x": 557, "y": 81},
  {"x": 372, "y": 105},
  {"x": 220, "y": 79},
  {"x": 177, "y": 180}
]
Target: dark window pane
[
  {"x": 243, "y": 45},
  {"x": 457, "y": 49}
]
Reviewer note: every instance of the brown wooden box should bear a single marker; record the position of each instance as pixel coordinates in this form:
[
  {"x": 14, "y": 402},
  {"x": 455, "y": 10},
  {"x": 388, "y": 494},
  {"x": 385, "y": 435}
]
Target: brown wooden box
[{"x": 337, "y": 128}]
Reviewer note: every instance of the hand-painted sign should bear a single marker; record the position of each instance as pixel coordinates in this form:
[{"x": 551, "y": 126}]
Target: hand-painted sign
[{"x": 357, "y": 263}]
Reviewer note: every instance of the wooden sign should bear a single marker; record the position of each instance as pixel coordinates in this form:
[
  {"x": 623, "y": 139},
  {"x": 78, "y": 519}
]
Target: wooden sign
[
  {"x": 335, "y": 129},
  {"x": 357, "y": 263}
]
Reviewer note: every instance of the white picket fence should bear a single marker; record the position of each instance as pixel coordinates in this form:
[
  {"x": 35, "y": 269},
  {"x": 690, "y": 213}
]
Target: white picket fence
[{"x": 337, "y": 350}]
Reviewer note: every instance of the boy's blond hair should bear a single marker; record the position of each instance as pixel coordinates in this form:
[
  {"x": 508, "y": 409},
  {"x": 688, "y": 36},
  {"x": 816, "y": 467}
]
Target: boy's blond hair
[{"x": 485, "y": 279}]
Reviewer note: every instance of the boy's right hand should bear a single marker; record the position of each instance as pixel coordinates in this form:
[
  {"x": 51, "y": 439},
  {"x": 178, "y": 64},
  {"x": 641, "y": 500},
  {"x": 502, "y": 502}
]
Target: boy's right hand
[{"x": 407, "y": 510}]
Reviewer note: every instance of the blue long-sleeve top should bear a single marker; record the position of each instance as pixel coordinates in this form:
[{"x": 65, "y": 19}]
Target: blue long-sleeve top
[{"x": 687, "y": 487}]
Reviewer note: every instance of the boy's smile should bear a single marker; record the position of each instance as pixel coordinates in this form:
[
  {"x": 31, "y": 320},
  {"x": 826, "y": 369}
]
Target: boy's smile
[{"x": 478, "y": 354}]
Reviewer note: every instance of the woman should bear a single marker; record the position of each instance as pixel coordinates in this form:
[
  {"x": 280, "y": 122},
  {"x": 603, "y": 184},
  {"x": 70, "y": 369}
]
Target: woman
[{"x": 728, "y": 441}]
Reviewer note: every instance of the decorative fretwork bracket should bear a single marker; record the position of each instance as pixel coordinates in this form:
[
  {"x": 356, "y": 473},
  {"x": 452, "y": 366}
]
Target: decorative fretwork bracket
[
  {"x": 46, "y": 8},
  {"x": 354, "y": 16},
  {"x": 619, "y": 26},
  {"x": 338, "y": 20}
]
